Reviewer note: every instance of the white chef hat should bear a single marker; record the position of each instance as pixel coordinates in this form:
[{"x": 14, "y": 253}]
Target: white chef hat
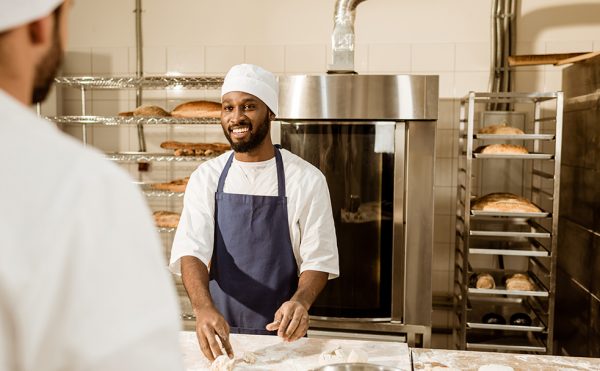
[
  {"x": 255, "y": 80},
  {"x": 14, "y": 13}
]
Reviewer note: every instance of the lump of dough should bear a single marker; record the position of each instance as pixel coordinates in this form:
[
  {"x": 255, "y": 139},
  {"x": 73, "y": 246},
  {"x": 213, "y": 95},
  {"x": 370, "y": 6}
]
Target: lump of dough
[
  {"x": 341, "y": 355},
  {"x": 357, "y": 356},
  {"x": 249, "y": 357},
  {"x": 222, "y": 363}
]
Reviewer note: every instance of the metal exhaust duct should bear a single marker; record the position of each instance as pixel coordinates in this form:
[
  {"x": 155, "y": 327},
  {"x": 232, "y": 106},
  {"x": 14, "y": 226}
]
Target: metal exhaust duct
[{"x": 342, "y": 38}]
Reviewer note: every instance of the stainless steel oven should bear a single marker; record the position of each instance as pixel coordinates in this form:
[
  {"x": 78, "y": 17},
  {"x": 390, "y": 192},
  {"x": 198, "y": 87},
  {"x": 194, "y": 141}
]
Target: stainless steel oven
[{"x": 373, "y": 137}]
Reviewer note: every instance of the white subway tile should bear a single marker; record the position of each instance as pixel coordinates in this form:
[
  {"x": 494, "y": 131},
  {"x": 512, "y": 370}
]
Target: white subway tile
[
  {"x": 470, "y": 81},
  {"x": 52, "y": 105},
  {"x": 529, "y": 81},
  {"x": 361, "y": 58},
  {"x": 73, "y": 107},
  {"x": 432, "y": 57},
  {"x": 597, "y": 45},
  {"x": 269, "y": 57},
  {"x": 446, "y": 82},
  {"x": 443, "y": 172},
  {"x": 111, "y": 108},
  {"x": 110, "y": 61},
  {"x": 473, "y": 57},
  {"x": 529, "y": 48},
  {"x": 110, "y": 139},
  {"x": 305, "y": 59},
  {"x": 444, "y": 143},
  {"x": 573, "y": 46},
  {"x": 154, "y": 60},
  {"x": 77, "y": 62},
  {"x": 553, "y": 81},
  {"x": 441, "y": 229},
  {"x": 187, "y": 60},
  {"x": 441, "y": 256},
  {"x": 389, "y": 58},
  {"x": 219, "y": 59},
  {"x": 441, "y": 282},
  {"x": 446, "y": 114},
  {"x": 444, "y": 199}
]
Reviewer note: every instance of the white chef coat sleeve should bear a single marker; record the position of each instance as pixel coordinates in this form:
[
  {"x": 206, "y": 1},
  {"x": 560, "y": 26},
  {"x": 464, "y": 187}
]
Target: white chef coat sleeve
[
  {"x": 195, "y": 232},
  {"x": 318, "y": 244},
  {"x": 121, "y": 311}
]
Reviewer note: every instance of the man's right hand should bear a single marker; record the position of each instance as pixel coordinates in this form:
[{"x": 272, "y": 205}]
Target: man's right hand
[{"x": 210, "y": 324}]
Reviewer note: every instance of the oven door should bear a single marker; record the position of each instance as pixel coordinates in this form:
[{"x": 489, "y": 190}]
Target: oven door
[{"x": 358, "y": 161}]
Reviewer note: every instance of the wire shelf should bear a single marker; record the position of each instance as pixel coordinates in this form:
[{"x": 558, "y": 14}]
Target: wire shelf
[
  {"x": 148, "y": 82},
  {"x": 165, "y": 229},
  {"x": 148, "y": 191},
  {"x": 130, "y": 120},
  {"x": 153, "y": 157}
]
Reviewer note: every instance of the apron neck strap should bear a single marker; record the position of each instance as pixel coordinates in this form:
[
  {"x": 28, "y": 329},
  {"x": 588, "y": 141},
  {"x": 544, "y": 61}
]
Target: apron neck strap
[{"x": 280, "y": 173}]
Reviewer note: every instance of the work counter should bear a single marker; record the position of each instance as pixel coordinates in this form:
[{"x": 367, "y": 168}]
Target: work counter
[{"x": 271, "y": 353}]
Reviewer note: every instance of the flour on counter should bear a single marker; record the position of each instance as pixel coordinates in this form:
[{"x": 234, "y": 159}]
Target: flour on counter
[
  {"x": 342, "y": 355},
  {"x": 493, "y": 367}
]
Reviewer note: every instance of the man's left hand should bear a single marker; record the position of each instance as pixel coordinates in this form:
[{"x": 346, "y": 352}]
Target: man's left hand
[{"x": 291, "y": 321}]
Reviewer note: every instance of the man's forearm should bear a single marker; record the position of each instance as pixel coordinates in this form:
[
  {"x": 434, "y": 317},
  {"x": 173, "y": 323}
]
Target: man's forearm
[
  {"x": 310, "y": 285},
  {"x": 195, "y": 278}
]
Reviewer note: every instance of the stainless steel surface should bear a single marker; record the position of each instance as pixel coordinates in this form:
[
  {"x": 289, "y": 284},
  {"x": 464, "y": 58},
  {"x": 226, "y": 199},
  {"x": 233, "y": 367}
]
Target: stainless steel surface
[
  {"x": 355, "y": 367},
  {"x": 130, "y": 120},
  {"x": 530, "y": 237},
  {"x": 420, "y": 166},
  {"x": 139, "y": 66},
  {"x": 333, "y": 122},
  {"x": 342, "y": 37},
  {"x": 146, "y": 82},
  {"x": 399, "y": 251},
  {"x": 358, "y": 97}
]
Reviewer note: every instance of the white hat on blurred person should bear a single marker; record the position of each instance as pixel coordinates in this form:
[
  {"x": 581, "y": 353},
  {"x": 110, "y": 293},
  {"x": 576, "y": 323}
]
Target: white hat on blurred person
[
  {"x": 14, "y": 13},
  {"x": 255, "y": 80}
]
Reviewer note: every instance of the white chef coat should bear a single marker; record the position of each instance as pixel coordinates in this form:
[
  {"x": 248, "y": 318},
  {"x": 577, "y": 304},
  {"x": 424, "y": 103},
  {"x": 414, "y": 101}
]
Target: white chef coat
[
  {"x": 83, "y": 283},
  {"x": 310, "y": 217}
]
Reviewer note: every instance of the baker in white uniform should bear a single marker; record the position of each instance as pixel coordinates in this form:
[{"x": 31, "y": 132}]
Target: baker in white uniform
[
  {"x": 260, "y": 217},
  {"x": 83, "y": 284}
]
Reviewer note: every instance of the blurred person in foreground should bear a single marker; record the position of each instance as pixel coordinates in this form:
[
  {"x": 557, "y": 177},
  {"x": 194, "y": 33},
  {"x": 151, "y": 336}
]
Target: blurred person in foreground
[{"x": 83, "y": 285}]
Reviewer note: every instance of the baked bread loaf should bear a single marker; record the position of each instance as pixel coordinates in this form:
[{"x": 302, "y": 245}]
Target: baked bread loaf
[
  {"x": 197, "y": 109},
  {"x": 520, "y": 282},
  {"x": 126, "y": 114},
  {"x": 177, "y": 185},
  {"x": 144, "y": 111},
  {"x": 485, "y": 281},
  {"x": 166, "y": 219},
  {"x": 195, "y": 149},
  {"x": 505, "y": 149},
  {"x": 504, "y": 202},
  {"x": 501, "y": 129}
]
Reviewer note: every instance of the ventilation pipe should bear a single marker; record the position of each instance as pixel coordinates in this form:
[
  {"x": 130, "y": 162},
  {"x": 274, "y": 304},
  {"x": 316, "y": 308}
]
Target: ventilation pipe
[{"x": 342, "y": 38}]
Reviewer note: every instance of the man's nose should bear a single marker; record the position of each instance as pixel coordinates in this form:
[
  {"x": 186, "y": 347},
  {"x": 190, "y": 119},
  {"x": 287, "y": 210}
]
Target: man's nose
[{"x": 238, "y": 115}]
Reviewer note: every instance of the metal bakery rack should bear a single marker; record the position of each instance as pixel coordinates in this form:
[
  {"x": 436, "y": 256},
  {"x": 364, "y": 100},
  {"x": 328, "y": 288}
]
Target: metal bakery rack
[
  {"x": 162, "y": 163},
  {"x": 503, "y": 243}
]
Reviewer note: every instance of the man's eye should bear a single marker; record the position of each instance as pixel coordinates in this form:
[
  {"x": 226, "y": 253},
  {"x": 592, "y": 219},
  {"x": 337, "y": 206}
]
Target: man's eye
[
  {"x": 227, "y": 108},
  {"x": 249, "y": 107}
]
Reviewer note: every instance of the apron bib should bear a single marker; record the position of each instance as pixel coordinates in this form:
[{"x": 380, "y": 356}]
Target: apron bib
[{"x": 253, "y": 270}]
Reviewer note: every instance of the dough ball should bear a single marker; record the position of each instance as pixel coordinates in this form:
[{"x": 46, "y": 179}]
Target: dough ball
[
  {"x": 249, "y": 357},
  {"x": 222, "y": 363},
  {"x": 357, "y": 356}
]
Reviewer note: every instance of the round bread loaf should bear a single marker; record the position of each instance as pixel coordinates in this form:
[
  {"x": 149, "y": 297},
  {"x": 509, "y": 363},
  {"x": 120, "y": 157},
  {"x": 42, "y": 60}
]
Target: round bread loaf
[
  {"x": 197, "y": 109},
  {"x": 485, "y": 281},
  {"x": 519, "y": 282},
  {"x": 504, "y": 202},
  {"x": 166, "y": 219},
  {"x": 501, "y": 129},
  {"x": 143, "y": 111},
  {"x": 506, "y": 149}
]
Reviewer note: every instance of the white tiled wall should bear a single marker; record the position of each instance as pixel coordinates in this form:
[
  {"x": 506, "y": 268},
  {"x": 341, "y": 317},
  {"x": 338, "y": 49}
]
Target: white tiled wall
[{"x": 446, "y": 38}]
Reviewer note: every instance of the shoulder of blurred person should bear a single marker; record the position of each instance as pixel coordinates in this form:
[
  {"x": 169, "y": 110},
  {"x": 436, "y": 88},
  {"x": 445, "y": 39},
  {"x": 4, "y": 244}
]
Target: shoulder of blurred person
[{"x": 81, "y": 263}]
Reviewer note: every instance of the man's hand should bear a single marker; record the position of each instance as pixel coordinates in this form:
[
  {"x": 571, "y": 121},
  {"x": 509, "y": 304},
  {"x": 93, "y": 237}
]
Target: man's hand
[
  {"x": 291, "y": 321},
  {"x": 210, "y": 324}
]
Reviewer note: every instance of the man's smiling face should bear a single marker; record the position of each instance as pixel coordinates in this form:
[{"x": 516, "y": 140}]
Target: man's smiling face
[{"x": 245, "y": 120}]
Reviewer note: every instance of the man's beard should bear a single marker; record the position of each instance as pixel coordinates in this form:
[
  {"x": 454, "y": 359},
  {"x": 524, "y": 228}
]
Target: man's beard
[
  {"x": 47, "y": 69},
  {"x": 255, "y": 138}
]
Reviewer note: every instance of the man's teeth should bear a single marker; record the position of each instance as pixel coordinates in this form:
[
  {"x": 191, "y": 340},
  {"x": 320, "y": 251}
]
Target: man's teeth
[{"x": 241, "y": 130}]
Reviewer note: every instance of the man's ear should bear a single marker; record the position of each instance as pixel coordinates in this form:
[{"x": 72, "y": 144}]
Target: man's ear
[
  {"x": 271, "y": 115},
  {"x": 40, "y": 30}
]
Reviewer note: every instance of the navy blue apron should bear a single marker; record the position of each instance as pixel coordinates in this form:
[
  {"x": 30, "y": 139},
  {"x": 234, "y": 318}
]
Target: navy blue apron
[{"x": 253, "y": 270}]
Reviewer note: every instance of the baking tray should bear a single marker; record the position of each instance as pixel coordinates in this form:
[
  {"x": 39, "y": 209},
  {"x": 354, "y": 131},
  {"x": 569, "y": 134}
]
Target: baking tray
[
  {"x": 514, "y": 136},
  {"x": 542, "y": 214},
  {"x": 503, "y": 291},
  {"x": 485, "y": 326},
  {"x": 528, "y": 156}
]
